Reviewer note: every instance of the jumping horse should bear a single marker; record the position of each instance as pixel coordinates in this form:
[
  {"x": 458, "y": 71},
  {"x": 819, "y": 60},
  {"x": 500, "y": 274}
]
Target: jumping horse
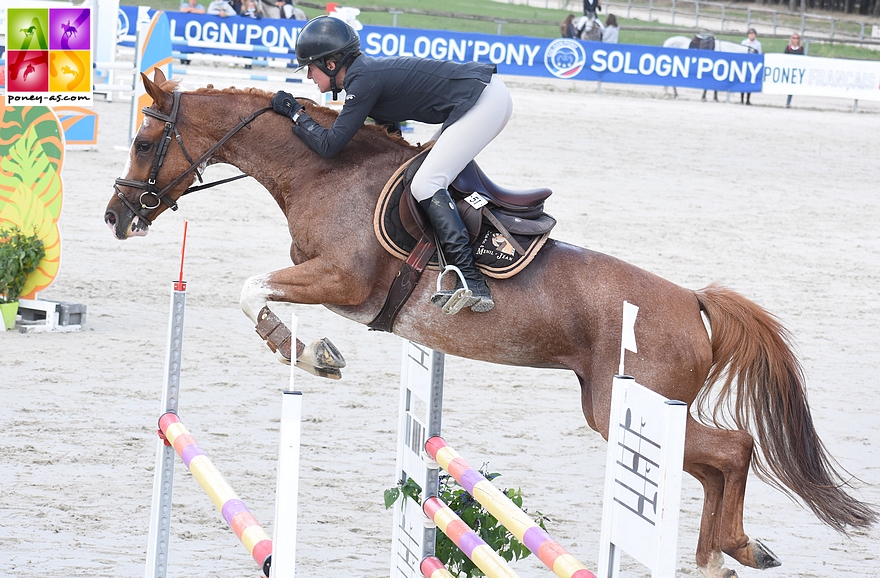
[{"x": 563, "y": 311}]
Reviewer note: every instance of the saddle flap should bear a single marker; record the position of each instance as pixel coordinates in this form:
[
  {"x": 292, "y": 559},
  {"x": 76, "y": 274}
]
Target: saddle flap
[{"x": 519, "y": 226}]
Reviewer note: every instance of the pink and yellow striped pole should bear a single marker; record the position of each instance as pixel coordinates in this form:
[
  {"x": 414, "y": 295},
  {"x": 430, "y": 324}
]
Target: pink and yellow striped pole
[
  {"x": 480, "y": 553},
  {"x": 236, "y": 514},
  {"x": 517, "y": 522},
  {"x": 432, "y": 567}
]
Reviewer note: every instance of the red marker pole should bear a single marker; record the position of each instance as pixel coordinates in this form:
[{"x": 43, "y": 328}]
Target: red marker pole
[{"x": 180, "y": 284}]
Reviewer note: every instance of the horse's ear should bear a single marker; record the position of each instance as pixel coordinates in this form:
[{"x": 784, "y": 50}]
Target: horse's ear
[
  {"x": 159, "y": 96},
  {"x": 159, "y": 76}
]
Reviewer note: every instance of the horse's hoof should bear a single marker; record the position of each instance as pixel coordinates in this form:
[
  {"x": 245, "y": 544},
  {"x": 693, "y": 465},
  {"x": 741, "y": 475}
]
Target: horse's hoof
[
  {"x": 764, "y": 558},
  {"x": 326, "y": 355},
  {"x": 328, "y": 372}
]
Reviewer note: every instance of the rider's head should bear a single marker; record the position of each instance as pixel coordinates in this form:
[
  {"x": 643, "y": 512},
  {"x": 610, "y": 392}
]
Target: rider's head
[{"x": 325, "y": 40}]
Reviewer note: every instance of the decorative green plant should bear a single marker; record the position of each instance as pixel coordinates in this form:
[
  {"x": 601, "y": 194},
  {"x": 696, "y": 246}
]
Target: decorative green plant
[
  {"x": 20, "y": 254},
  {"x": 473, "y": 514}
]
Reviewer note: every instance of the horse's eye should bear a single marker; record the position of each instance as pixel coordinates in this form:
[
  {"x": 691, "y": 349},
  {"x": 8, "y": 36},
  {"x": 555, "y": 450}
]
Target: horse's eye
[{"x": 143, "y": 146}]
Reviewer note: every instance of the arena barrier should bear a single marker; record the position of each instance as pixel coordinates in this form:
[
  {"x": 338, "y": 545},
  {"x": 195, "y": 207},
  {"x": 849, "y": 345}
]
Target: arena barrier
[{"x": 276, "y": 557}]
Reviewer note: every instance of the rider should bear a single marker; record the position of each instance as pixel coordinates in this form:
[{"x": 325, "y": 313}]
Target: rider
[{"x": 469, "y": 100}]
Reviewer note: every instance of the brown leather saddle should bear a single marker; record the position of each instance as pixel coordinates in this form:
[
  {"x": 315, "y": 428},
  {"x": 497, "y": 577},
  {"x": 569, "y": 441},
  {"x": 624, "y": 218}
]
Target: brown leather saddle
[{"x": 507, "y": 229}]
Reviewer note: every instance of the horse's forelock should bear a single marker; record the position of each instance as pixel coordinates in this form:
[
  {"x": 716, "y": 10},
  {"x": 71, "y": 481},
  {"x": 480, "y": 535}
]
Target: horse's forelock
[{"x": 170, "y": 85}]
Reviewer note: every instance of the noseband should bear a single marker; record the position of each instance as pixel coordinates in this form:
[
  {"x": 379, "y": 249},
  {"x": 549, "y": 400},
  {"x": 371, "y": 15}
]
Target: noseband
[{"x": 152, "y": 195}]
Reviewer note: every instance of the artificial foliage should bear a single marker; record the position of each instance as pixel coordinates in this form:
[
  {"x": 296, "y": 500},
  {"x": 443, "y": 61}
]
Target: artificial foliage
[
  {"x": 31, "y": 156},
  {"x": 474, "y": 515},
  {"x": 20, "y": 254}
]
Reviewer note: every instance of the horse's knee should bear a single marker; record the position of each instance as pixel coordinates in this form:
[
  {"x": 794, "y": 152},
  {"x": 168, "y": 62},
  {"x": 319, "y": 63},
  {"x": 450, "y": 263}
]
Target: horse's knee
[{"x": 254, "y": 295}]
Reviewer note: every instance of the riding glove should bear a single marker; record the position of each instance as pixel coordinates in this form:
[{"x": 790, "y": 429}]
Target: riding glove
[{"x": 284, "y": 103}]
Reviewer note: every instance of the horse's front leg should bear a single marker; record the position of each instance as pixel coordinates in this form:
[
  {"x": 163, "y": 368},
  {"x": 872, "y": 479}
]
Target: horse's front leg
[{"x": 312, "y": 282}]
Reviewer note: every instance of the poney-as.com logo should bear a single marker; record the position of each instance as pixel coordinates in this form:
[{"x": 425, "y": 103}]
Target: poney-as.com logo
[{"x": 565, "y": 58}]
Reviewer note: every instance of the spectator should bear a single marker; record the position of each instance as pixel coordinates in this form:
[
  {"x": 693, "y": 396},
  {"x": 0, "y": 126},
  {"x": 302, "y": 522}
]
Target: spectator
[
  {"x": 192, "y": 6},
  {"x": 567, "y": 27},
  {"x": 250, "y": 11},
  {"x": 285, "y": 8},
  {"x": 754, "y": 45},
  {"x": 794, "y": 47},
  {"x": 221, "y": 8},
  {"x": 612, "y": 30},
  {"x": 591, "y": 7},
  {"x": 298, "y": 14}
]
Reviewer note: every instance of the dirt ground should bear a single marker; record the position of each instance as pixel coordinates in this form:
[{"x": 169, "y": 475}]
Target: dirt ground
[{"x": 778, "y": 204}]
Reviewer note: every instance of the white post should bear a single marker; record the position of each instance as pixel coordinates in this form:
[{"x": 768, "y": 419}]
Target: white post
[
  {"x": 642, "y": 479},
  {"x": 421, "y": 409},
  {"x": 287, "y": 488},
  {"x": 138, "y": 88},
  {"x": 160, "y": 515}
]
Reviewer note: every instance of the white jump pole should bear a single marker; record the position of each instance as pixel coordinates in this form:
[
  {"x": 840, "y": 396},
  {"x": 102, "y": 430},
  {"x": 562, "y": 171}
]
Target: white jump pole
[{"x": 287, "y": 488}]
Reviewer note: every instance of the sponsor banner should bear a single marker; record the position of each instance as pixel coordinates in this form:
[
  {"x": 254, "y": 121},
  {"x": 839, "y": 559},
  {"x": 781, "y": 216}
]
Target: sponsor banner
[
  {"x": 49, "y": 55},
  {"x": 574, "y": 59},
  {"x": 516, "y": 55},
  {"x": 655, "y": 65},
  {"x": 810, "y": 76},
  {"x": 232, "y": 36}
]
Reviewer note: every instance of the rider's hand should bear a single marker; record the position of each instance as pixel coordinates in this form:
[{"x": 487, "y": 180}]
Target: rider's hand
[{"x": 284, "y": 103}]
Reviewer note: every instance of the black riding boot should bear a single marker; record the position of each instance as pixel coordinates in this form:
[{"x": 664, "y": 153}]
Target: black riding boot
[{"x": 453, "y": 238}]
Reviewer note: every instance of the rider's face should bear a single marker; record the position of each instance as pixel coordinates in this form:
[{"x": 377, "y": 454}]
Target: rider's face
[{"x": 320, "y": 77}]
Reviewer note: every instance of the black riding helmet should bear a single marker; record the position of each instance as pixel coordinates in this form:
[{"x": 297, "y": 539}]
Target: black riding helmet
[{"x": 326, "y": 36}]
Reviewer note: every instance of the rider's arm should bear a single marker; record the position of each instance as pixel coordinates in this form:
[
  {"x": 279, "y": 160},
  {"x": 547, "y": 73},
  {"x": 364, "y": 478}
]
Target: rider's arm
[{"x": 362, "y": 92}]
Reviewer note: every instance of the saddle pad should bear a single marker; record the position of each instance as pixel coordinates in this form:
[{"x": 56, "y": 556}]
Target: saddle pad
[{"x": 494, "y": 255}]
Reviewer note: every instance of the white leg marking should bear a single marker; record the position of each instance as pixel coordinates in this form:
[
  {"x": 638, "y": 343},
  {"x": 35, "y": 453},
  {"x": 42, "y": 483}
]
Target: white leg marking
[{"x": 254, "y": 296}]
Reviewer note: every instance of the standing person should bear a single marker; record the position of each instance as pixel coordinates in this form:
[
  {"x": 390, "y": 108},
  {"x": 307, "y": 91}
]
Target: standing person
[
  {"x": 468, "y": 99},
  {"x": 251, "y": 11},
  {"x": 612, "y": 30},
  {"x": 192, "y": 7},
  {"x": 794, "y": 47},
  {"x": 567, "y": 27},
  {"x": 754, "y": 45},
  {"x": 221, "y": 8}
]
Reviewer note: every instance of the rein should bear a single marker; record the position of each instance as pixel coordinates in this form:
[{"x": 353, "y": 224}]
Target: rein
[{"x": 149, "y": 187}]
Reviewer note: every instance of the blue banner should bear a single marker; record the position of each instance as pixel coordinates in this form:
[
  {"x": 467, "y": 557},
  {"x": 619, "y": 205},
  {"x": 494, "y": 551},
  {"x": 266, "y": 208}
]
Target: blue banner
[{"x": 517, "y": 55}]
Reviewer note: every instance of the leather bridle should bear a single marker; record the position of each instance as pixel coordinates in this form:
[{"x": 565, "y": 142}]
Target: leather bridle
[{"x": 152, "y": 195}]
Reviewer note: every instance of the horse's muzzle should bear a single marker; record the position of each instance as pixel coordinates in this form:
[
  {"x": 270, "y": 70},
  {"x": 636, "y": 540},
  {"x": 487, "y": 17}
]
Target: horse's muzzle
[{"x": 124, "y": 228}]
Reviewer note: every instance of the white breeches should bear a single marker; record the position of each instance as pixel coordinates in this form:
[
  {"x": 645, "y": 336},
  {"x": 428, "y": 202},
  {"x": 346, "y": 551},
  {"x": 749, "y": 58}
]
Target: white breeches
[{"x": 461, "y": 141}]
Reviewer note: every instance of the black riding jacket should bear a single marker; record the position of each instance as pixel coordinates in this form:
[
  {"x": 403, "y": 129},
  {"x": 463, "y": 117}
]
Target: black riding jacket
[{"x": 391, "y": 90}]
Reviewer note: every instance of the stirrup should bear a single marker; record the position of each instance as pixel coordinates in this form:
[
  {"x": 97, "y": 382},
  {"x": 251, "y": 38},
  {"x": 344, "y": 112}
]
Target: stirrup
[{"x": 460, "y": 297}]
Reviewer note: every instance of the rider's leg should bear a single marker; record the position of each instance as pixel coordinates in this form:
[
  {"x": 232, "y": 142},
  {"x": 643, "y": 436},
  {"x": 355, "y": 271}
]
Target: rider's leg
[
  {"x": 453, "y": 238},
  {"x": 456, "y": 146}
]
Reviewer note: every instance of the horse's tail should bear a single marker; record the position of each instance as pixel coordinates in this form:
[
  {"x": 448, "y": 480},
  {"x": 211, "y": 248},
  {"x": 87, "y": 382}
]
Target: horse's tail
[{"x": 762, "y": 391}]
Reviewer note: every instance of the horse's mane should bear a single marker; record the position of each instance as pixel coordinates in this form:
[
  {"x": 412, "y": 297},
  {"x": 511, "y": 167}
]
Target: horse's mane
[{"x": 321, "y": 114}]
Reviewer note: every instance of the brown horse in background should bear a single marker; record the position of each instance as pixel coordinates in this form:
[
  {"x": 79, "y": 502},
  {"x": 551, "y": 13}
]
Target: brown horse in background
[{"x": 563, "y": 311}]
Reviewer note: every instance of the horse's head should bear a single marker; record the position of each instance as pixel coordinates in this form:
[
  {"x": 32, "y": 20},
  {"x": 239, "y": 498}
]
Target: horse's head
[{"x": 158, "y": 172}]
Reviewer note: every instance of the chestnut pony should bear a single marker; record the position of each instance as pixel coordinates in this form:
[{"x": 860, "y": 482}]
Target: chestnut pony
[{"x": 563, "y": 311}]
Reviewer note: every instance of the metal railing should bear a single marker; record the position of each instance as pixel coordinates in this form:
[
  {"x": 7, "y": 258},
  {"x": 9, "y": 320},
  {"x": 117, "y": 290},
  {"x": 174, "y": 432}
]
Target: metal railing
[{"x": 738, "y": 18}]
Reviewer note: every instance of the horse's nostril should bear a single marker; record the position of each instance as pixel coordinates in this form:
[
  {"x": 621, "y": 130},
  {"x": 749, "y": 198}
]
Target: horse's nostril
[{"x": 110, "y": 218}]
